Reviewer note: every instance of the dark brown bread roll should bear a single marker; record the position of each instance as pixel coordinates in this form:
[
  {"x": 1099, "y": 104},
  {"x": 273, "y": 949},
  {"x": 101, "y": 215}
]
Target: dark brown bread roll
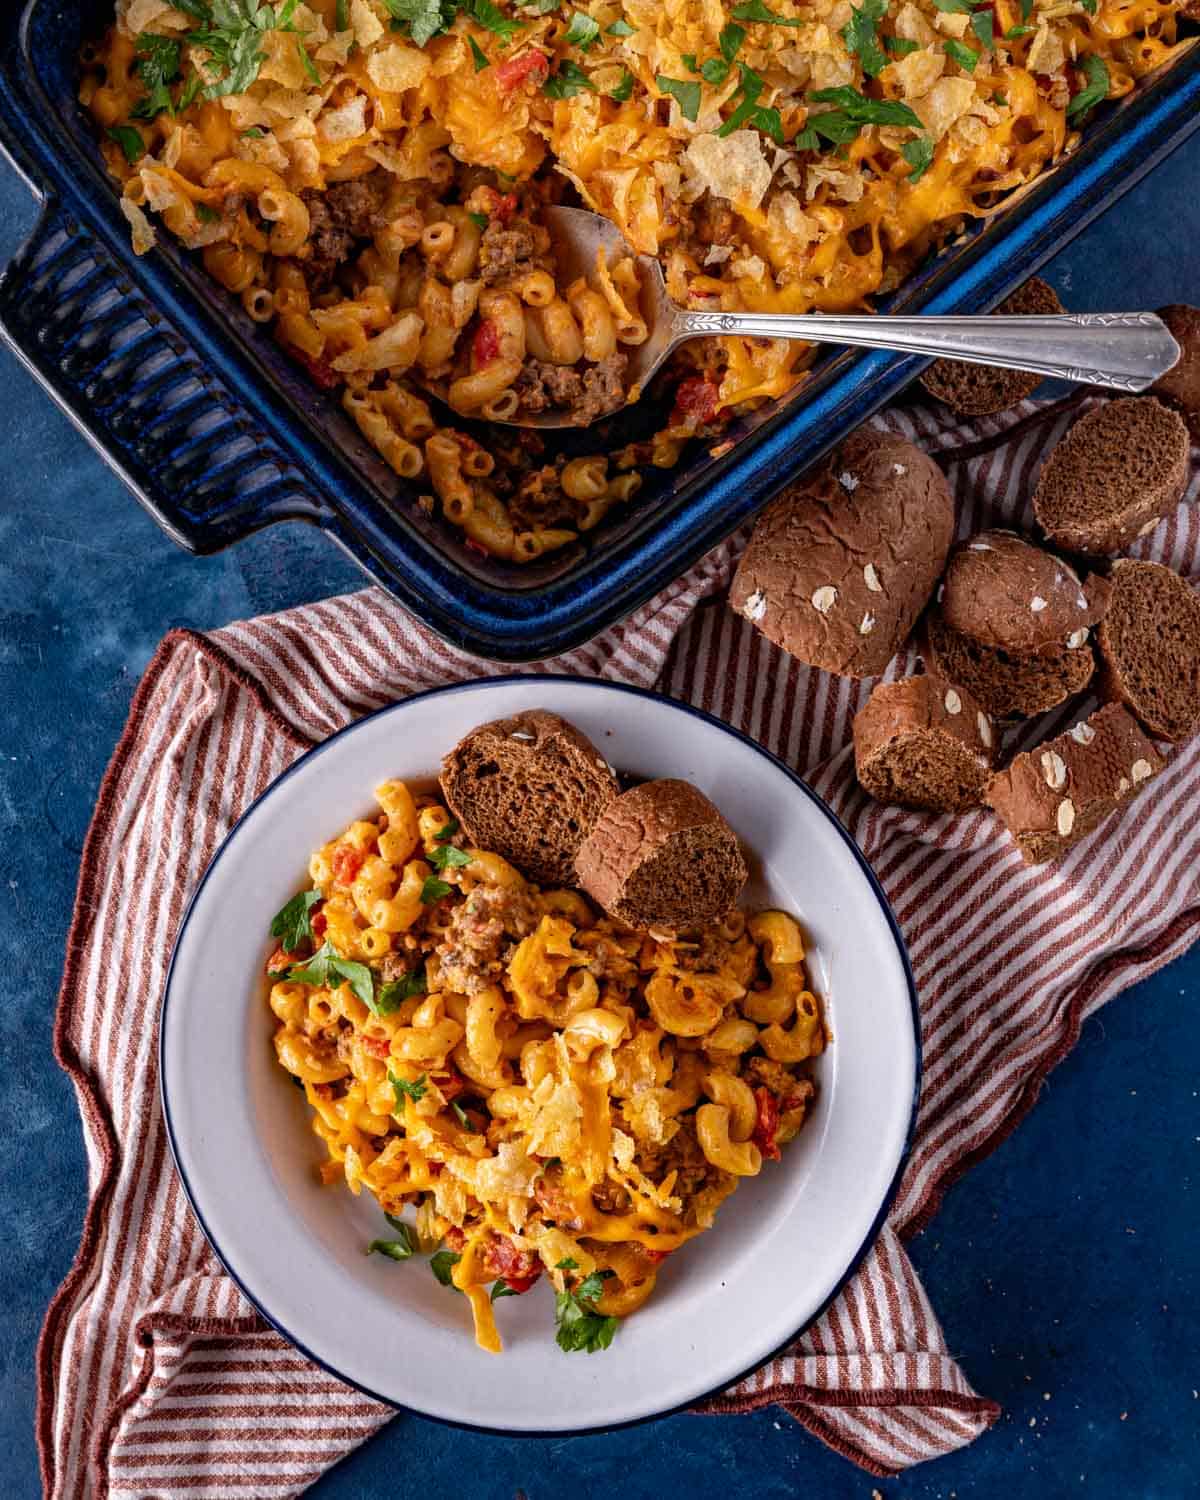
[
  {"x": 661, "y": 856},
  {"x": 1150, "y": 648},
  {"x": 1007, "y": 685},
  {"x": 1049, "y": 798},
  {"x": 1180, "y": 387},
  {"x": 981, "y": 390},
  {"x": 1121, "y": 468},
  {"x": 923, "y": 743},
  {"x": 842, "y": 563},
  {"x": 529, "y": 788},
  {"x": 1003, "y": 591}
]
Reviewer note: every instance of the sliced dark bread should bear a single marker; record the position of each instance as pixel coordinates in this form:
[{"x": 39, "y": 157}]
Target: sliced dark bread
[
  {"x": 923, "y": 743},
  {"x": 529, "y": 788},
  {"x": 842, "y": 563},
  {"x": 1121, "y": 468},
  {"x": 1050, "y": 797},
  {"x": 1150, "y": 648},
  {"x": 1180, "y": 387},
  {"x": 1003, "y": 591},
  {"x": 981, "y": 390},
  {"x": 662, "y": 857},
  {"x": 1007, "y": 685}
]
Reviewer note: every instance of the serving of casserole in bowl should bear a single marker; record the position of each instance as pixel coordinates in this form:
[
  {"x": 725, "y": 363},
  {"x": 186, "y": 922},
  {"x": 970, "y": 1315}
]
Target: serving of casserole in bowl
[{"x": 341, "y": 204}]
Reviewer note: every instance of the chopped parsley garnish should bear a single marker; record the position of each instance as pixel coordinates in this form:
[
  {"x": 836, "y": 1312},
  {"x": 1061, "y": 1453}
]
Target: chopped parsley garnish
[
  {"x": 964, "y": 56},
  {"x": 755, "y": 10},
  {"x": 326, "y": 967},
  {"x": 686, "y": 95},
  {"x": 566, "y": 1264},
  {"x": 255, "y": 133},
  {"x": 231, "y": 32},
  {"x": 425, "y": 19},
  {"x": 433, "y": 890},
  {"x": 447, "y": 830},
  {"x": 542, "y": 7},
  {"x": 341, "y": 15},
  {"x": 292, "y": 923},
  {"x": 623, "y": 89},
  {"x": 479, "y": 55},
  {"x": 919, "y": 155},
  {"x": 481, "y": 221},
  {"x": 442, "y": 1263},
  {"x": 983, "y": 24},
  {"x": 310, "y": 67},
  {"x": 579, "y": 1326},
  {"x": 1014, "y": 32},
  {"x": 157, "y": 65},
  {"x": 129, "y": 140},
  {"x": 403, "y": 1089},
  {"x": 861, "y": 36},
  {"x": 688, "y": 59},
  {"x": 449, "y": 858},
  {"x": 463, "y": 1118},
  {"x": 501, "y": 1288},
  {"x": 620, "y": 28},
  {"x": 840, "y": 125},
  {"x": 403, "y": 1247},
  {"x": 1090, "y": 6},
  {"x": 749, "y": 112},
  {"x": 207, "y": 215},
  {"x": 393, "y": 994},
  {"x": 1096, "y": 89},
  {"x": 1026, "y": 9},
  {"x": 492, "y": 19},
  {"x": 900, "y": 46},
  {"x": 716, "y": 69},
  {"x": 955, "y": 7},
  {"x": 567, "y": 82},
  {"x": 583, "y": 32}
]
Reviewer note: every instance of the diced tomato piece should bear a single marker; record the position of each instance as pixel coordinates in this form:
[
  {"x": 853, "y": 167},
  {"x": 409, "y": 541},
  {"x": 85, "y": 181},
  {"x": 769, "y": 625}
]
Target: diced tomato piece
[
  {"x": 502, "y": 1259},
  {"x": 319, "y": 923},
  {"x": 695, "y": 401},
  {"x": 655, "y": 1257},
  {"x": 455, "y": 1238},
  {"x": 347, "y": 862},
  {"x": 793, "y": 1101},
  {"x": 279, "y": 960},
  {"x": 451, "y": 1085},
  {"x": 321, "y": 372},
  {"x": 526, "y": 65},
  {"x": 377, "y": 1046},
  {"x": 486, "y": 345},
  {"x": 505, "y": 207},
  {"x": 473, "y": 546},
  {"x": 767, "y": 1127},
  {"x": 519, "y": 1284}
]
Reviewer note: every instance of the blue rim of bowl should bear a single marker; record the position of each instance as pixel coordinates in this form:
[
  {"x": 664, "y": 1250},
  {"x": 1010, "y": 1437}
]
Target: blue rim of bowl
[{"x": 530, "y": 679}]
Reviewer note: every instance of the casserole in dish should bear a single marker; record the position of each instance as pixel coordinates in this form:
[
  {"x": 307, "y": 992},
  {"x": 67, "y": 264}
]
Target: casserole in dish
[{"x": 220, "y": 429}]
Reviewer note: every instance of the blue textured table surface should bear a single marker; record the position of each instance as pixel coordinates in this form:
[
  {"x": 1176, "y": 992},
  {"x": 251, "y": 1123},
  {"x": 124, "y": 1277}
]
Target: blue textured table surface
[{"x": 1065, "y": 1268}]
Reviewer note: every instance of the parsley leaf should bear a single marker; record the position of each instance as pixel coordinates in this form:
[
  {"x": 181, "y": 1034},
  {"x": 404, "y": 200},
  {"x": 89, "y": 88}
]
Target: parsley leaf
[
  {"x": 449, "y": 858},
  {"x": 918, "y": 154},
  {"x": 624, "y": 89},
  {"x": 207, "y": 215},
  {"x": 442, "y": 1263},
  {"x": 481, "y": 61},
  {"x": 397, "y": 991},
  {"x": 583, "y": 32},
  {"x": 492, "y": 19},
  {"x": 326, "y": 967},
  {"x": 863, "y": 111},
  {"x": 231, "y": 32},
  {"x": 341, "y": 16},
  {"x": 1090, "y": 6},
  {"x": 565, "y": 84},
  {"x": 1096, "y": 89},
  {"x": 714, "y": 70},
  {"x": 900, "y": 46},
  {"x": 688, "y": 59},
  {"x": 686, "y": 95},
  {"x": 1026, "y": 9},
  {"x": 755, "y": 10},
  {"x": 463, "y": 1118},
  {"x": 861, "y": 38},
  {"x": 446, "y": 831},
  {"x": 501, "y": 1288},
  {"x": 749, "y": 112},
  {"x": 730, "y": 41},
  {"x": 542, "y": 7},
  {"x": 157, "y": 65},
  {"x": 310, "y": 67},
  {"x": 403, "y": 1247},
  {"x": 481, "y": 221},
  {"x": 956, "y": 7},
  {"x": 566, "y": 1264},
  {"x": 129, "y": 140},
  {"x": 403, "y": 1089},
  {"x": 255, "y": 133},
  {"x": 1014, "y": 32},
  {"x": 579, "y": 1326},
  {"x": 964, "y": 56},
  {"x": 433, "y": 890},
  {"x": 292, "y": 923},
  {"x": 620, "y": 28},
  {"x": 983, "y": 24},
  {"x": 425, "y": 19}
]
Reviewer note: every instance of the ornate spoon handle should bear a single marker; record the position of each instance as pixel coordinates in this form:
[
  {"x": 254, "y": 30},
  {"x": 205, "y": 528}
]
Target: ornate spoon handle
[{"x": 1123, "y": 351}]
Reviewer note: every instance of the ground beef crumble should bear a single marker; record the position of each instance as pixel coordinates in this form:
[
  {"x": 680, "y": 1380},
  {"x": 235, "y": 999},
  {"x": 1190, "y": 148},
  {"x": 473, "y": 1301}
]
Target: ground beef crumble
[
  {"x": 482, "y": 932},
  {"x": 340, "y": 217},
  {"x": 587, "y": 393}
]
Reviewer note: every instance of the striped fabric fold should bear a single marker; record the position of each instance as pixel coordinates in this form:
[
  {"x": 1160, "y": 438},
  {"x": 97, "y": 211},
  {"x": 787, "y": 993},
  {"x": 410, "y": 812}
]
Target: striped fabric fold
[{"x": 156, "y": 1377}]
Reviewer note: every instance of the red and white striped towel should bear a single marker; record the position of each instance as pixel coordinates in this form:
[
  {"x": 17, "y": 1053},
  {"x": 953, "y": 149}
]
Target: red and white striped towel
[{"x": 157, "y": 1379}]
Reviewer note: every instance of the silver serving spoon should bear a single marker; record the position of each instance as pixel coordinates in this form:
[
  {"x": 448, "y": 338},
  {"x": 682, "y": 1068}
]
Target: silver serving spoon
[{"x": 1120, "y": 351}]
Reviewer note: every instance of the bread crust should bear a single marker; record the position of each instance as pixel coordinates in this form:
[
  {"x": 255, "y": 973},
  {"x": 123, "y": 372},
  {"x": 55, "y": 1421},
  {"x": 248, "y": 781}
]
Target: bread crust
[
  {"x": 1180, "y": 387},
  {"x": 1051, "y": 797},
  {"x": 983, "y": 390},
  {"x": 1150, "y": 648},
  {"x": 661, "y": 856},
  {"x": 530, "y": 788},
  {"x": 924, "y": 743},
  {"x": 1120, "y": 469},
  {"x": 842, "y": 563},
  {"x": 1006, "y": 592}
]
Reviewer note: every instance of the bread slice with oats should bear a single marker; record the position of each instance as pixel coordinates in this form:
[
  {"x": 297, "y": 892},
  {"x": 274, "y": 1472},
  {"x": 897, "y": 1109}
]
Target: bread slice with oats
[
  {"x": 1051, "y": 797},
  {"x": 924, "y": 743},
  {"x": 529, "y": 788},
  {"x": 983, "y": 390},
  {"x": 1150, "y": 648}
]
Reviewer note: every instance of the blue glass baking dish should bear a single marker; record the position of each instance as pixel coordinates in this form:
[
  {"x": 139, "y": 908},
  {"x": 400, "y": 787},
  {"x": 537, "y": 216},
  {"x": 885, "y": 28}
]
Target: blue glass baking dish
[{"x": 217, "y": 433}]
